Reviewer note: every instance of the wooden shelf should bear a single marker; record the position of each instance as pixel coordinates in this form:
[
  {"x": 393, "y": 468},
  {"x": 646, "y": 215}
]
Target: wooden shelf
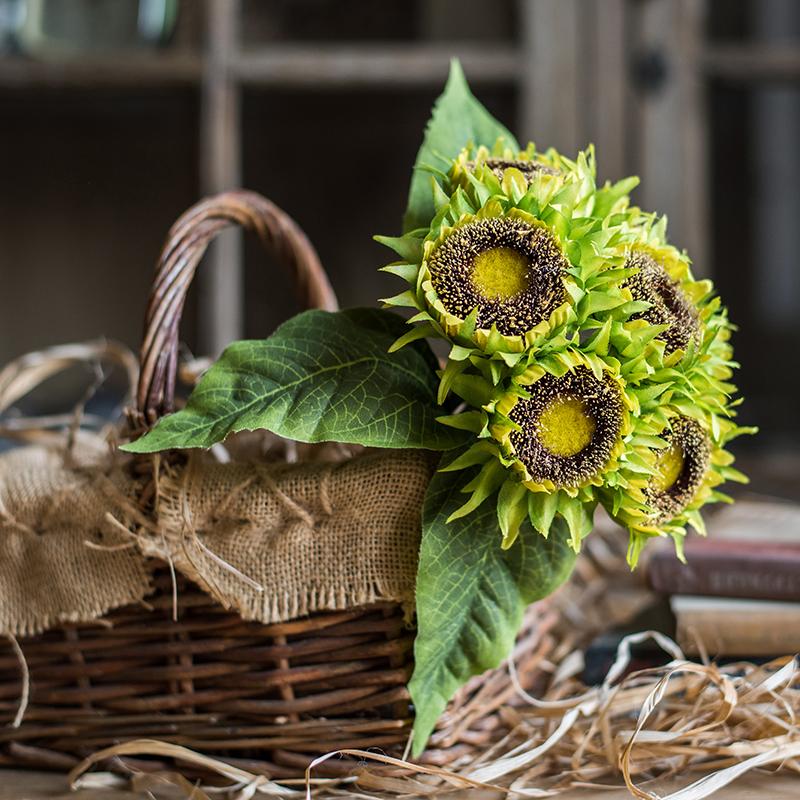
[
  {"x": 295, "y": 66},
  {"x": 120, "y": 70},
  {"x": 752, "y": 62},
  {"x": 313, "y": 66},
  {"x": 344, "y": 66}
]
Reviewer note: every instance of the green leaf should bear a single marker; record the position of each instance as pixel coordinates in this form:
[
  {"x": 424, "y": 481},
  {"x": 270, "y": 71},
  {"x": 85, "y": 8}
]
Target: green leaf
[
  {"x": 405, "y": 299},
  {"x": 457, "y": 119},
  {"x": 471, "y": 595},
  {"x": 322, "y": 376}
]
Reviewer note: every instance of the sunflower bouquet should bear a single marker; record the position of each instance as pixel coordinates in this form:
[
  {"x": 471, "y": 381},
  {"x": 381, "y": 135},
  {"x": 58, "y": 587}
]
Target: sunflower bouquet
[{"x": 584, "y": 365}]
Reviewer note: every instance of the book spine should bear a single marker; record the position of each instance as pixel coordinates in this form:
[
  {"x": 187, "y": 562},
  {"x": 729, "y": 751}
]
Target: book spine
[
  {"x": 748, "y": 635},
  {"x": 749, "y": 575}
]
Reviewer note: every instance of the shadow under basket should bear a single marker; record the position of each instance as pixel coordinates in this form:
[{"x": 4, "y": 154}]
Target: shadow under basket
[{"x": 268, "y": 697}]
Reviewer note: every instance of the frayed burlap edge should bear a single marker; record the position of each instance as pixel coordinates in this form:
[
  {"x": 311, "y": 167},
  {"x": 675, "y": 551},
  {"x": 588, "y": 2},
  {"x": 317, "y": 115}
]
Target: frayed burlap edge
[{"x": 273, "y": 542}]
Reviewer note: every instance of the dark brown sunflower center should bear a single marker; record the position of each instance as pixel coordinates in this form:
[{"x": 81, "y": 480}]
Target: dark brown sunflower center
[
  {"x": 680, "y": 469},
  {"x": 669, "y": 305},
  {"x": 506, "y": 268},
  {"x": 568, "y": 427},
  {"x": 530, "y": 169}
]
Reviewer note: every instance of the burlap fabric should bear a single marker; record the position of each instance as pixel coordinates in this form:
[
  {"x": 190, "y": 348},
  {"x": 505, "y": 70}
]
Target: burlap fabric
[{"x": 272, "y": 541}]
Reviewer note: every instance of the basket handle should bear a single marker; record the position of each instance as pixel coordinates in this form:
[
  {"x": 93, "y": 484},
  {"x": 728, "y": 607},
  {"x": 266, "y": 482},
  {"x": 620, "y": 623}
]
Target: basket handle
[{"x": 186, "y": 243}]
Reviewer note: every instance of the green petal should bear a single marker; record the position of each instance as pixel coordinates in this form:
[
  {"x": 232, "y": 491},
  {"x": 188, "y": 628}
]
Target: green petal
[
  {"x": 512, "y": 509},
  {"x": 542, "y": 507}
]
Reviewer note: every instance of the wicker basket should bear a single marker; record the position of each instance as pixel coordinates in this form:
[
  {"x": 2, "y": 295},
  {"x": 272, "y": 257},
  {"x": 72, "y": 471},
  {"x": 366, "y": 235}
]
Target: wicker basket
[{"x": 270, "y": 697}]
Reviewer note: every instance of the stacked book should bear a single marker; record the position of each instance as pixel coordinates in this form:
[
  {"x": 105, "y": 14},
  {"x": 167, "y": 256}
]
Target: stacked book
[{"x": 738, "y": 595}]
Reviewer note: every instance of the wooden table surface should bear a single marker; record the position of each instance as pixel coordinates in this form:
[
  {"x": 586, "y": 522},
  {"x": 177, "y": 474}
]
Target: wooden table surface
[{"x": 19, "y": 785}]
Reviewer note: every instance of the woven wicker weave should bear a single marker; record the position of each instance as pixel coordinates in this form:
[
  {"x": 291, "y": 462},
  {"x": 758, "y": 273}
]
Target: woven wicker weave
[{"x": 270, "y": 696}]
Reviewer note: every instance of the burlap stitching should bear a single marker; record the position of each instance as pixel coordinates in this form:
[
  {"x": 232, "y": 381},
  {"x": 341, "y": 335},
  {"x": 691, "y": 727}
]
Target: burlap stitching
[
  {"x": 324, "y": 492},
  {"x": 288, "y": 503},
  {"x": 9, "y": 519}
]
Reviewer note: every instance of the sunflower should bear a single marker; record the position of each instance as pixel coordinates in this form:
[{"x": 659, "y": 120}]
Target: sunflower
[
  {"x": 669, "y": 304},
  {"x": 687, "y": 413},
  {"x": 508, "y": 272},
  {"x": 568, "y": 430},
  {"x": 690, "y": 463},
  {"x": 530, "y": 169},
  {"x": 499, "y": 160},
  {"x": 514, "y": 258},
  {"x": 660, "y": 279},
  {"x": 680, "y": 469},
  {"x": 549, "y": 439}
]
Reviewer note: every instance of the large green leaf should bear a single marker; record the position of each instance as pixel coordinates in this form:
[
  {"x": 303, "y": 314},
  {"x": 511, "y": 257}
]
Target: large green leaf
[
  {"x": 471, "y": 594},
  {"x": 322, "y": 376},
  {"x": 457, "y": 119}
]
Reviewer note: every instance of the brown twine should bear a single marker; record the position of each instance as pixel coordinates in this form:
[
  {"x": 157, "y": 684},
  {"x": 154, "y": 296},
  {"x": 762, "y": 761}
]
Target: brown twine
[
  {"x": 109, "y": 548},
  {"x": 234, "y": 495},
  {"x": 227, "y": 566},
  {"x": 189, "y": 533},
  {"x": 9, "y": 519},
  {"x": 26, "y": 682},
  {"x": 128, "y": 507},
  {"x": 325, "y": 489},
  {"x": 294, "y": 509}
]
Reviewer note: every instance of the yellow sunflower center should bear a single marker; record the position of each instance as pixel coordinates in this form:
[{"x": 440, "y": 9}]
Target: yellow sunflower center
[
  {"x": 669, "y": 465},
  {"x": 565, "y": 427},
  {"x": 500, "y": 273}
]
